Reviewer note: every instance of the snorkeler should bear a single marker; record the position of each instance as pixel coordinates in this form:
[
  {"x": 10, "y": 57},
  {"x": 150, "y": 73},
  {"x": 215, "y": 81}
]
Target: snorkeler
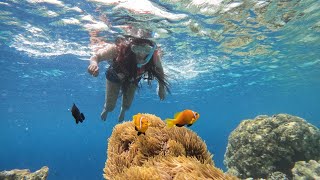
[{"x": 131, "y": 58}]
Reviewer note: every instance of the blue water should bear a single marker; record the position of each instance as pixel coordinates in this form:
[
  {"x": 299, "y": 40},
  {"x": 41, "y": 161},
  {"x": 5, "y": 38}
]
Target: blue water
[{"x": 276, "y": 69}]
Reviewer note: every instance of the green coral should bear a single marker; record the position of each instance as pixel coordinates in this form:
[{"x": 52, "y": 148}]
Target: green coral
[
  {"x": 259, "y": 147},
  {"x": 306, "y": 170},
  {"x": 14, "y": 174}
]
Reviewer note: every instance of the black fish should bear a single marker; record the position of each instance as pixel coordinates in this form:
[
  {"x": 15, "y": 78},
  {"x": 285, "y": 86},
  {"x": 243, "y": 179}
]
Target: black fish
[
  {"x": 139, "y": 131},
  {"x": 79, "y": 117}
]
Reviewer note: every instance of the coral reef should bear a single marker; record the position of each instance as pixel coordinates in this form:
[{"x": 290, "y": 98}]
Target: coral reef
[
  {"x": 259, "y": 147},
  {"x": 172, "y": 167},
  {"x": 306, "y": 170},
  {"x": 163, "y": 153},
  {"x": 17, "y": 174},
  {"x": 276, "y": 176}
]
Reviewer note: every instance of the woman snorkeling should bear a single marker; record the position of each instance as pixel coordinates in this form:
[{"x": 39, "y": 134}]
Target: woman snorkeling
[{"x": 131, "y": 58}]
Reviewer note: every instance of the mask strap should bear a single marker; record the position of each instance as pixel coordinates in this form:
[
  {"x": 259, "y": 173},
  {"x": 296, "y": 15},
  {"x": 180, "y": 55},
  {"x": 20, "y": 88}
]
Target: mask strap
[{"x": 148, "y": 57}]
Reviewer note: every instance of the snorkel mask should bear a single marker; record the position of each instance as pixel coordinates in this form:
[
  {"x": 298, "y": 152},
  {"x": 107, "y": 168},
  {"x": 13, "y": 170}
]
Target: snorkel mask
[
  {"x": 144, "y": 49},
  {"x": 141, "y": 44}
]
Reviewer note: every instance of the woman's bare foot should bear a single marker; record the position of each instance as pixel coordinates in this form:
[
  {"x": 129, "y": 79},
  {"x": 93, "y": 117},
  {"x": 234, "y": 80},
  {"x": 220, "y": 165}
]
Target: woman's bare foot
[
  {"x": 121, "y": 116},
  {"x": 104, "y": 114}
]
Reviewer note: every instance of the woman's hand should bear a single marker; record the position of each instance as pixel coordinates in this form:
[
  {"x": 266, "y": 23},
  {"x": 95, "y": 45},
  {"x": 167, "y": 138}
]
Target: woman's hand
[{"x": 93, "y": 69}]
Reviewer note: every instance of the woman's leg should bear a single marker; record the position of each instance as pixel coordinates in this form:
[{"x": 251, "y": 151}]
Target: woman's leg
[
  {"x": 112, "y": 93},
  {"x": 127, "y": 99}
]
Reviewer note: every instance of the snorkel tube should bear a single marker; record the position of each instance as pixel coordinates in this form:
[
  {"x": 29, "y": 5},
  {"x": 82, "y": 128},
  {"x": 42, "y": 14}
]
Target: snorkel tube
[{"x": 148, "y": 57}]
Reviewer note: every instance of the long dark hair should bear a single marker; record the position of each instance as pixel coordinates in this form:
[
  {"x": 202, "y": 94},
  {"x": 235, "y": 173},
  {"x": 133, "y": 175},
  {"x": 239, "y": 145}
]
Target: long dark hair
[{"x": 126, "y": 63}]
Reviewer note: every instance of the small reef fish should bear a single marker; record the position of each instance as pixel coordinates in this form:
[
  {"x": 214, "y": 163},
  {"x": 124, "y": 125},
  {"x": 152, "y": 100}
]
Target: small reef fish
[
  {"x": 141, "y": 123},
  {"x": 78, "y": 116},
  {"x": 186, "y": 117}
]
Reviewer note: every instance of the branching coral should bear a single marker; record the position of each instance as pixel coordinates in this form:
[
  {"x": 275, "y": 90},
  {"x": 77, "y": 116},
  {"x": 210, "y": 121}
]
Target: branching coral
[{"x": 160, "y": 154}]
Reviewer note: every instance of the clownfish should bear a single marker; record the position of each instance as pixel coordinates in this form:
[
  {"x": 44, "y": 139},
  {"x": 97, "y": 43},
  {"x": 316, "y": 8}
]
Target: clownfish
[
  {"x": 141, "y": 123},
  {"x": 186, "y": 117}
]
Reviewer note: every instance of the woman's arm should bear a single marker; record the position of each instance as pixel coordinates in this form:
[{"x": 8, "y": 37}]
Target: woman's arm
[{"x": 108, "y": 53}]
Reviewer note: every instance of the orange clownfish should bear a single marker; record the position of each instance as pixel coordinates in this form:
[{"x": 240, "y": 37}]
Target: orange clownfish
[
  {"x": 186, "y": 117},
  {"x": 141, "y": 123}
]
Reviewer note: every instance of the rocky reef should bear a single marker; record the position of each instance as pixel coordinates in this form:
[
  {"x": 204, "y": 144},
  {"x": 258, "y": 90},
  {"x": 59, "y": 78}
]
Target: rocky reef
[
  {"x": 18, "y": 174},
  {"x": 267, "y": 147},
  {"x": 306, "y": 170},
  {"x": 163, "y": 153}
]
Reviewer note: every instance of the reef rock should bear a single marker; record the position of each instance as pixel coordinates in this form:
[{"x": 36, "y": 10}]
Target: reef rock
[
  {"x": 162, "y": 153},
  {"x": 264, "y": 145},
  {"x": 276, "y": 176},
  {"x": 306, "y": 170},
  {"x": 17, "y": 174}
]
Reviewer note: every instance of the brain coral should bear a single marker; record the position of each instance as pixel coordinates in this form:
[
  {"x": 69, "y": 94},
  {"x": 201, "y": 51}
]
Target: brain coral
[
  {"x": 163, "y": 153},
  {"x": 265, "y": 145},
  {"x": 306, "y": 170}
]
